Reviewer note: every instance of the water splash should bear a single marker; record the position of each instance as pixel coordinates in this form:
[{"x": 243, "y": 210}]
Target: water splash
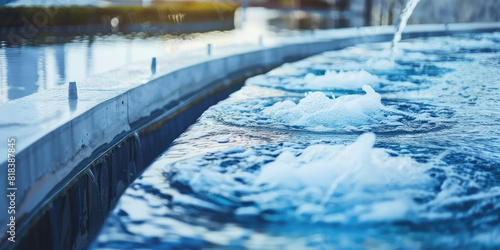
[
  {"x": 403, "y": 20},
  {"x": 342, "y": 80},
  {"x": 319, "y": 112},
  {"x": 317, "y": 109}
]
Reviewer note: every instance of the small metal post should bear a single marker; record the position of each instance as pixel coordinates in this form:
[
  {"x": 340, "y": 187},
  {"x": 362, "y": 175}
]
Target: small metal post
[
  {"x": 368, "y": 12},
  {"x": 153, "y": 66},
  {"x": 72, "y": 92},
  {"x": 261, "y": 42},
  {"x": 244, "y": 5},
  {"x": 446, "y": 28},
  {"x": 209, "y": 49}
]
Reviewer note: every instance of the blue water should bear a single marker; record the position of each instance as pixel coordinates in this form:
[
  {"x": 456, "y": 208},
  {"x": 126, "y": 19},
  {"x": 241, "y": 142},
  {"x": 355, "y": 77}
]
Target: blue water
[{"x": 301, "y": 159}]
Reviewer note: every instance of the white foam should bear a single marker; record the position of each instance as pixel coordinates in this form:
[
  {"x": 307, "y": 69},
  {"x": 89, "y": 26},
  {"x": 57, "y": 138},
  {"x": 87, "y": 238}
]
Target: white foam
[
  {"x": 492, "y": 35},
  {"x": 342, "y": 80},
  {"x": 380, "y": 64},
  {"x": 386, "y": 211},
  {"x": 324, "y": 166},
  {"x": 324, "y": 171},
  {"x": 448, "y": 44},
  {"x": 286, "y": 69},
  {"x": 320, "y": 183},
  {"x": 316, "y": 109}
]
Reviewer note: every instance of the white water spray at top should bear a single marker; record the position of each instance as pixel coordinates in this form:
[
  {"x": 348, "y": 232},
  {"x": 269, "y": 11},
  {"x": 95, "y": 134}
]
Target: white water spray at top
[{"x": 403, "y": 20}]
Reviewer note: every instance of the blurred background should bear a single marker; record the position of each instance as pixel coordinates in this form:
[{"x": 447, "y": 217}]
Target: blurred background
[{"x": 45, "y": 43}]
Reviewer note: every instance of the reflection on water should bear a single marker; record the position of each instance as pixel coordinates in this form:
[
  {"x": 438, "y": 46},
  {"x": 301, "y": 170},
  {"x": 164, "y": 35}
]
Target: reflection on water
[
  {"x": 49, "y": 60},
  {"x": 30, "y": 69}
]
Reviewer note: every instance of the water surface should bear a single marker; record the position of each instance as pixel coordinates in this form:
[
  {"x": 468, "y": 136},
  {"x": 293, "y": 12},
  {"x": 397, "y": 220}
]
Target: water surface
[{"x": 409, "y": 161}]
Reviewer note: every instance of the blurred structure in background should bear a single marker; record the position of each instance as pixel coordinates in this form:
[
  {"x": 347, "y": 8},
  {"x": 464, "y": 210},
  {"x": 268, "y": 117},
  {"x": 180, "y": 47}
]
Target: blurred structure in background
[
  {"x": 328, "y": 13},
  {"x": 106, "y": 34},
  {"x": 304, "y": 15},
  {"x": 386, "y": 12}
]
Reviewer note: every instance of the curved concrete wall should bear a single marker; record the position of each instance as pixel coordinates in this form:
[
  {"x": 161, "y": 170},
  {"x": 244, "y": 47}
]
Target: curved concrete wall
[{"x": 58, "y": 138}]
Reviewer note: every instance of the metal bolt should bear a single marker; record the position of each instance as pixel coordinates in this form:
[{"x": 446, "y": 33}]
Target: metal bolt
[
  {"x": 153, "y": 66},
  {"x": 72, "y": 92},
  {"x": 209, "y": 49}
]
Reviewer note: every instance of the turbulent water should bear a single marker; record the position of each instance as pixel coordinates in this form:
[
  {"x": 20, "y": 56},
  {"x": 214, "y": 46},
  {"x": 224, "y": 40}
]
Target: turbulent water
[
  {"x": 403, "y": 20},
  {"x": 340, "y": 150}
]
